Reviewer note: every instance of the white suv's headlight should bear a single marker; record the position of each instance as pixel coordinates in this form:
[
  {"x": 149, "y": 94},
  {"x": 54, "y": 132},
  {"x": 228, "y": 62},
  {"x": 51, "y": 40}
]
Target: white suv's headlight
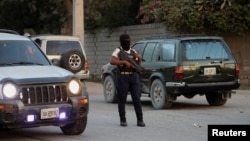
[
  {"x": 9, "y": 90},
  {"x": 74, "y": 86}
]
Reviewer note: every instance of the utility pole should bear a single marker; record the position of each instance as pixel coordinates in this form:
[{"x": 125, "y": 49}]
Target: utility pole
[{"x": 78, "y": 19}]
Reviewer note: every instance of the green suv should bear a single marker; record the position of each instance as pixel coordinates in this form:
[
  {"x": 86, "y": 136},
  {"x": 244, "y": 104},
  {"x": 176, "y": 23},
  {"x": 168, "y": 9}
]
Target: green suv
[{"x": 183, "y": 65}]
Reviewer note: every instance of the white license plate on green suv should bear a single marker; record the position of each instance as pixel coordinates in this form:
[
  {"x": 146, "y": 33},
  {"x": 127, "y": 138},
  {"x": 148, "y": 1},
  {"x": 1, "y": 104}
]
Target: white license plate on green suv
[
  {"x": 210, "y": 71},
  {"x": 49, "y": 113}
]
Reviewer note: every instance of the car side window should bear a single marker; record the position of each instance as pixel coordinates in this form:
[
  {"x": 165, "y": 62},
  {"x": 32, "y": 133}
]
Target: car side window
[
  {"x": 149, "y": 50},
  {"x": 156, "y": 53},
  {"x": 139, "y": 47},
  {"x": 168, "y": 51}
]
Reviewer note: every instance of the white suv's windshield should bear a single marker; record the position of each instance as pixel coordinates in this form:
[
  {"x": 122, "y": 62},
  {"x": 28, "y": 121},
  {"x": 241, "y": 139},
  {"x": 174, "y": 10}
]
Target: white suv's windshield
[{"x": 20, "y": 53}]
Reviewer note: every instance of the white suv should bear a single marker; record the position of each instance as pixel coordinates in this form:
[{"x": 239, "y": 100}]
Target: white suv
[
  {"x": 33, "y": 92},
  {"x": 66, "y": 52}
]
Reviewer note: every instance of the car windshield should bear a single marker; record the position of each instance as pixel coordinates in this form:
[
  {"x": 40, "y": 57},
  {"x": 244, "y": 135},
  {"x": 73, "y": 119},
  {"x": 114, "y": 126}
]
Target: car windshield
[
  {"x": 21, "y": 53},
  {"x": 204, "y": 50}
]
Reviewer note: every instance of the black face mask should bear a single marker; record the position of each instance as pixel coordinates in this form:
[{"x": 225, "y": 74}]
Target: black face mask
[{"x": 125, "y": 41}]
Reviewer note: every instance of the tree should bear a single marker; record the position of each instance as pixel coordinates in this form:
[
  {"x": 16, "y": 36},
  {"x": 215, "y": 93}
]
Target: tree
[
  {"x": 40, "y": 15},
  {"x": 217, "y": 16},
  {"x": 110, "y": 13}
]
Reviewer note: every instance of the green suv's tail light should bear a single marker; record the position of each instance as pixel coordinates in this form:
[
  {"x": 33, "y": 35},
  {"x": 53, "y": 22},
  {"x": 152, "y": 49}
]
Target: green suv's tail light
[
  {"x": 237, "y": 70},
  {"x": 179, "y": 72}
]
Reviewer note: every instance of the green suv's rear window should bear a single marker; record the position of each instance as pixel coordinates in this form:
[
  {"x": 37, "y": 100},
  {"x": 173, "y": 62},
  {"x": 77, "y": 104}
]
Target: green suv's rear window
[{"x": 204, "y": 50}]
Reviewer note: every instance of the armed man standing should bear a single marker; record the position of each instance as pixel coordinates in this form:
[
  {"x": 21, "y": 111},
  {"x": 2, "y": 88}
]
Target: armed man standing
[{"x": 128, "y": 79}]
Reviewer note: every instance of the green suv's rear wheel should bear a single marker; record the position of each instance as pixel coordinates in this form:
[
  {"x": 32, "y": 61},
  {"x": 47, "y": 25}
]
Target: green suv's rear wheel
[
  {"x": 109, "y": 90},
  {"x": 216, "y": 99},
  {"x": 159, "y": 95}
]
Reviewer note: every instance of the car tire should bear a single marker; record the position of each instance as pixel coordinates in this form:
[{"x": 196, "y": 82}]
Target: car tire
[
  {"x": 75, "y": 128},
  {"x": 73, "y": 61},
  {"x": 215, "y": 99},
  {"x": 109, "y": 90},
  {"x": 159, "y": 95}
]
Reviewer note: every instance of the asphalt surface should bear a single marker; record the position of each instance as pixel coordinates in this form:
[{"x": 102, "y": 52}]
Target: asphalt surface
[{"x": 187, "y": 120}]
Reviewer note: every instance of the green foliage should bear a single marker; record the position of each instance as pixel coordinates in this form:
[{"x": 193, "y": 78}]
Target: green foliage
[
  {"x": 43, "y": 16},
  {"x": 217, "y": 16},
  {"x": 188, "y": 16},
  {"x": 110, "y": 14}
]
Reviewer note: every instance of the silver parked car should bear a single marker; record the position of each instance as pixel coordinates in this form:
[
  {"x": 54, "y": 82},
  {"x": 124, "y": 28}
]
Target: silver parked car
[{"x": 66, "y": 52}]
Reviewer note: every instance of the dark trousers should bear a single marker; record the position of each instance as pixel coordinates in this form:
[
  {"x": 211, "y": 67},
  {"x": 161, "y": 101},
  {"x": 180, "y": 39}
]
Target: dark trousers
[{"x": 129, "y": 83}]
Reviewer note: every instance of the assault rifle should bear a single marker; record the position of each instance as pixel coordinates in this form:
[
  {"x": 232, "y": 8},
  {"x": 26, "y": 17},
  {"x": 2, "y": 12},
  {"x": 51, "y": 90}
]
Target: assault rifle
[{"x": 124, "y": 56}]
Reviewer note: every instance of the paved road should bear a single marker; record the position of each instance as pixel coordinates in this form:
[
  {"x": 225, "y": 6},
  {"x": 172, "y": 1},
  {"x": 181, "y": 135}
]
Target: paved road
[{"x": 187, "y": 120}]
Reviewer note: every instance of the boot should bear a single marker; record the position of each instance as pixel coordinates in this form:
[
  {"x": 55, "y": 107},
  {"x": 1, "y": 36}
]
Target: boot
[
  {"x": 123, "y": 121},
  {"x": 140, "y": 122}
]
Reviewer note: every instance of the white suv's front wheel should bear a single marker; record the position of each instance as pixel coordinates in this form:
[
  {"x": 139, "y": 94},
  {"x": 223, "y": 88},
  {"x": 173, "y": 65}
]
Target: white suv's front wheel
[{"x": 76, "y": 127}]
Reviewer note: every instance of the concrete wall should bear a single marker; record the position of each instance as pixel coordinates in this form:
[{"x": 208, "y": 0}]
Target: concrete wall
[
  {"x": 99, "y": 46},
  {"x": 240, "y": 46}
]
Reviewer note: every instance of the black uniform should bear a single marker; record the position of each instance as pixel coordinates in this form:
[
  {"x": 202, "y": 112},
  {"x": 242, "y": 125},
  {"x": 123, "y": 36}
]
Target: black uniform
[{"x": 128, "y": 81}]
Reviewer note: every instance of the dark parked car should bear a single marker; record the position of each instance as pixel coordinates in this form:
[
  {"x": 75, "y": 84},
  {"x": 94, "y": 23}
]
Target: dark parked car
[
  {"x": 184, "y": 65},
  {"x": 36, "y": 93}
]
